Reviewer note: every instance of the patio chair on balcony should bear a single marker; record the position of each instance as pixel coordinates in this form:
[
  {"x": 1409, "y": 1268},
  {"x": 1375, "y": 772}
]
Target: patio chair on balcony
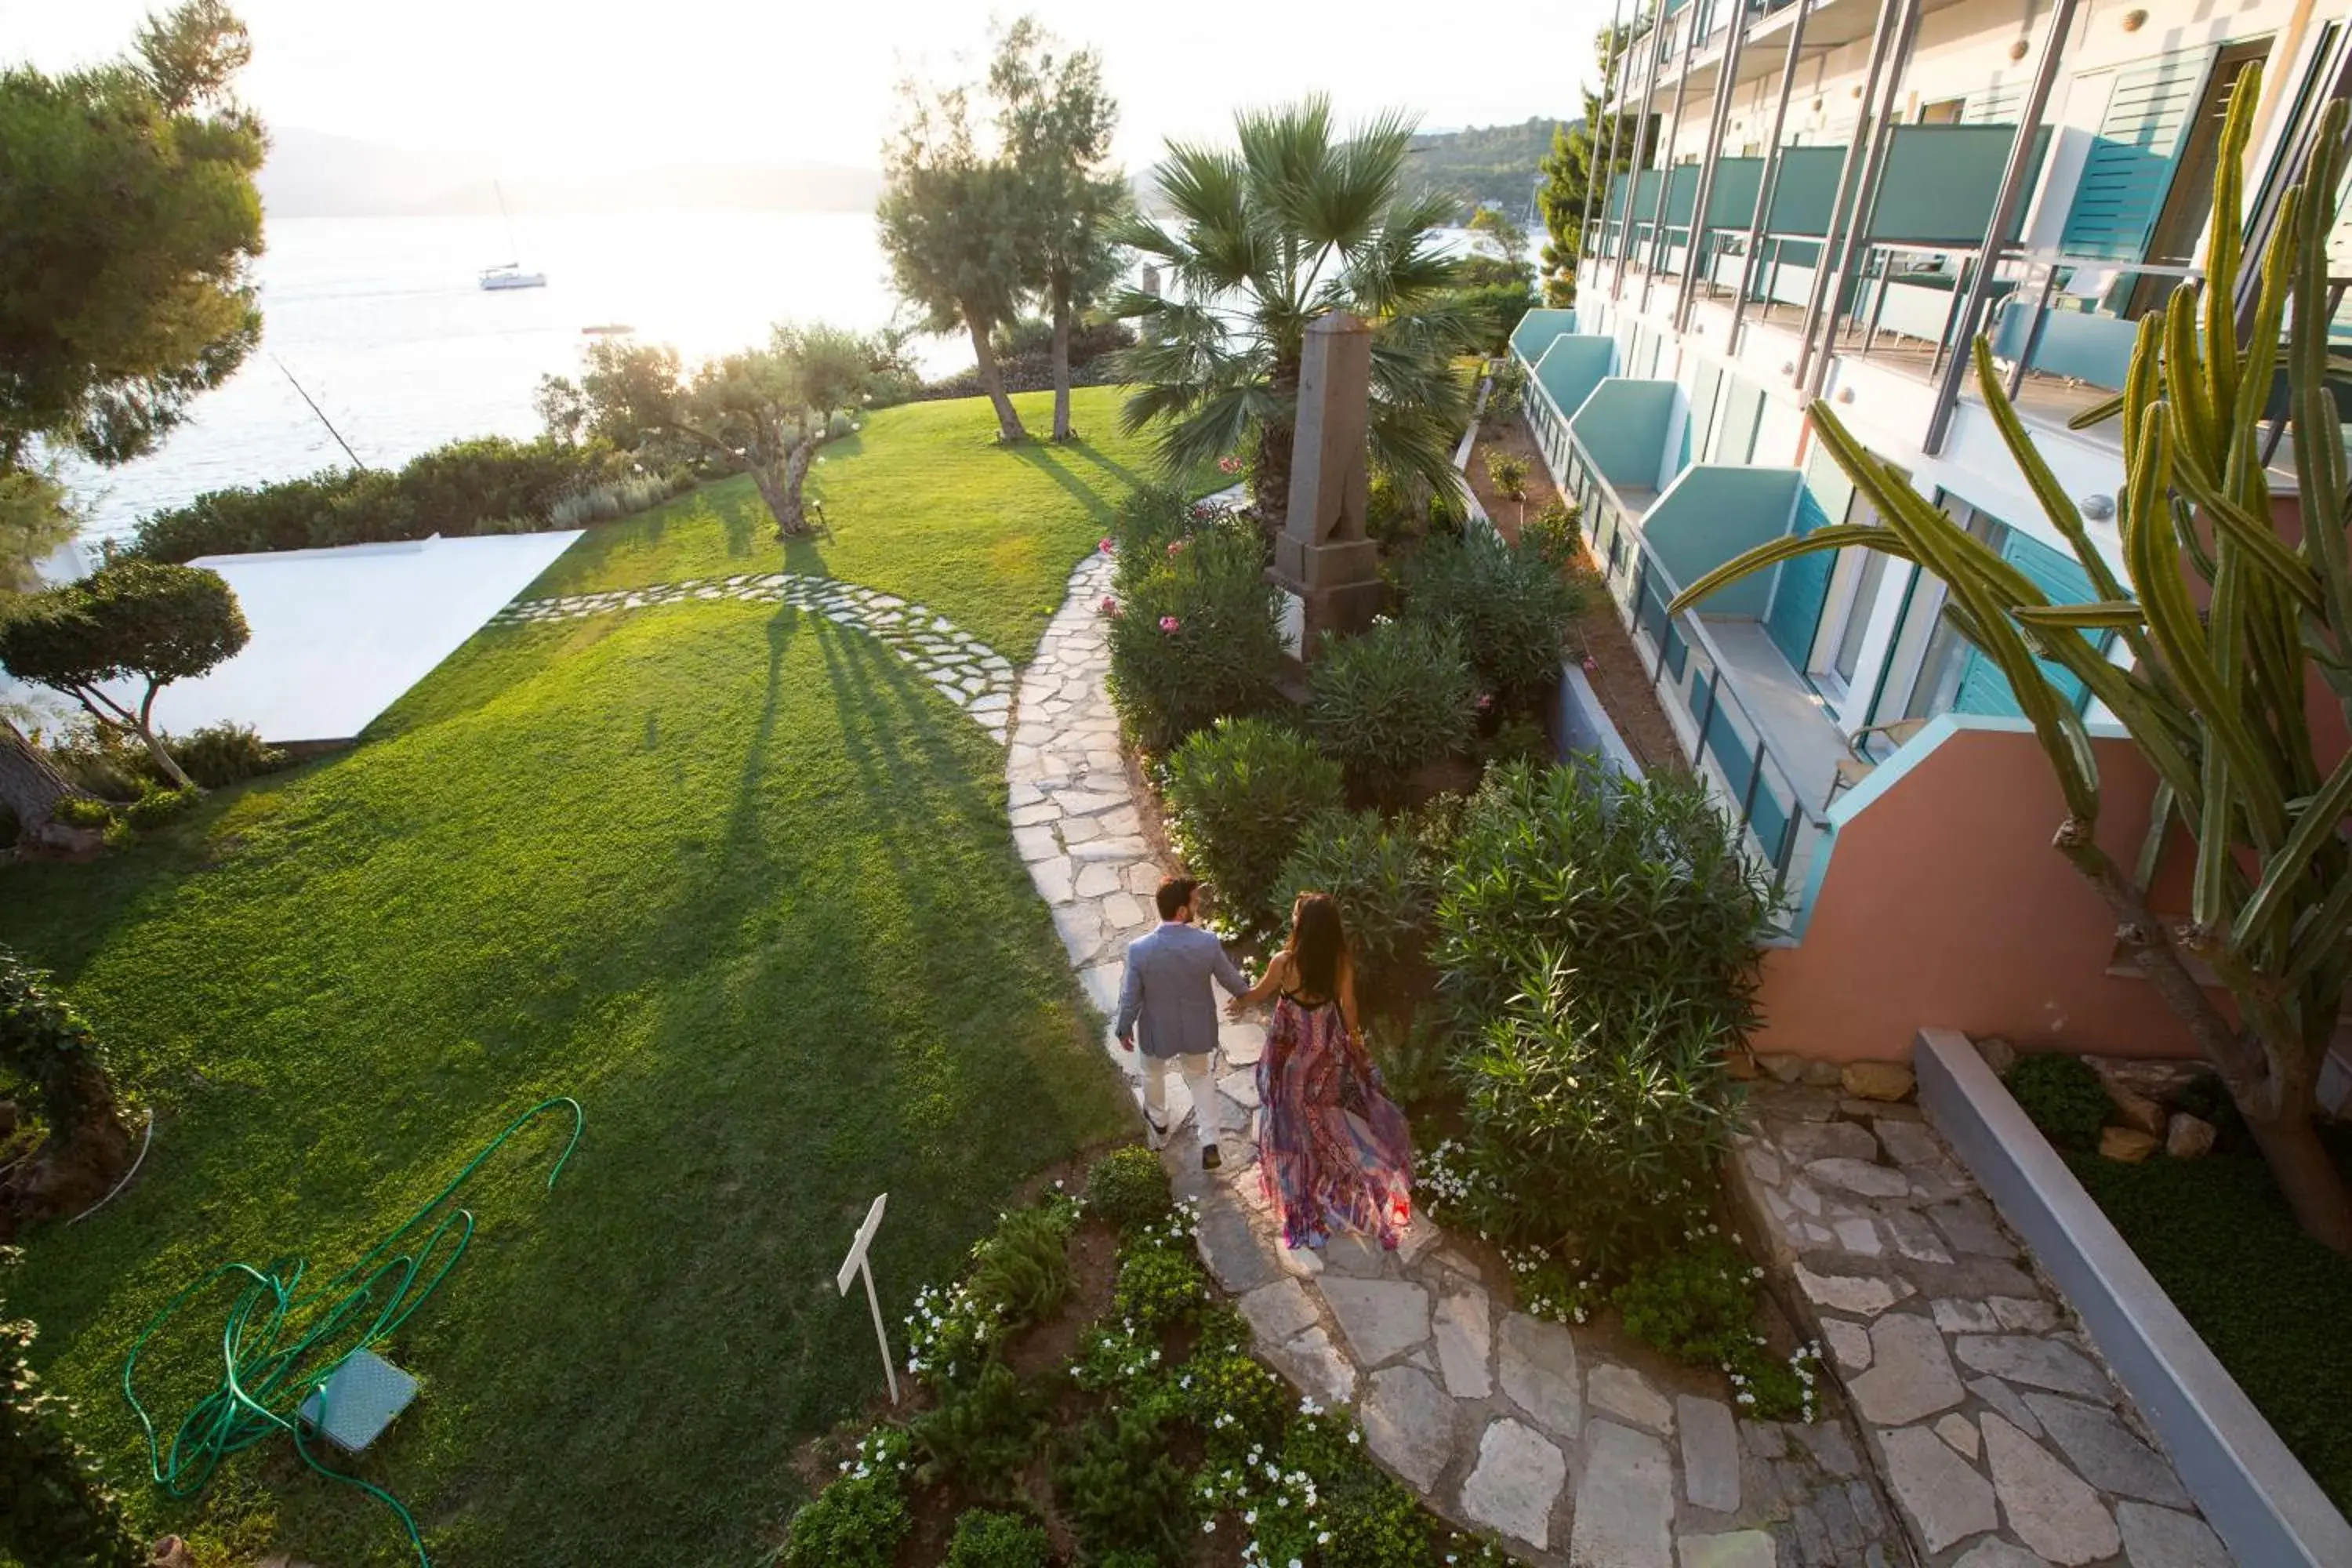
[{"x": 1855, "y": 766}]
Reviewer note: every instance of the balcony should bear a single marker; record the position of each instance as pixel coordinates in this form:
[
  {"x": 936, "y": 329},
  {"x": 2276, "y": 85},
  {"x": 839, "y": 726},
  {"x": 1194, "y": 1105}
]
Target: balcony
[{"x": 1750, "y": 725}]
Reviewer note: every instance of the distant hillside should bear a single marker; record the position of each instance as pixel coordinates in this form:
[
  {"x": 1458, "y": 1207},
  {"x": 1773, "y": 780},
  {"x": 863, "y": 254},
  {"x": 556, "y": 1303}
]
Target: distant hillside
[
  {"x": 312, "y": 174},
  {"x": 1494, "y": 165}
]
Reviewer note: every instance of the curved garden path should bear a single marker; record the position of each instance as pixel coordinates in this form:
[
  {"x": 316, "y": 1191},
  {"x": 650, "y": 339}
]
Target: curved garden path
[
  {"x": 1552, "y": 1437},
  {"x": 966, "y": 672}
]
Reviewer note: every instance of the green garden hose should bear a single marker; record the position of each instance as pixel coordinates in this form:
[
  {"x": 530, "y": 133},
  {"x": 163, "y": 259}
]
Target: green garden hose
[{"x": 271, "y": 1363}]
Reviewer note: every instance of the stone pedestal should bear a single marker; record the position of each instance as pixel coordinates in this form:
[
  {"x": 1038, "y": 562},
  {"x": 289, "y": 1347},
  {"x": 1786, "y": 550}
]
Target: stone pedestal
[{"x": 1322, "y": 556}]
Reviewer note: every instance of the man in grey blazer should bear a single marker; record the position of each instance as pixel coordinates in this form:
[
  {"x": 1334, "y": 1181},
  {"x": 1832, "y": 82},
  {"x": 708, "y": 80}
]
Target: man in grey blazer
[{"x": 1169, "y": 969}]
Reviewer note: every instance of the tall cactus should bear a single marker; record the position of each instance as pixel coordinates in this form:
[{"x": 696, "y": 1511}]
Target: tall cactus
[{"x": 2220, "y": 701}]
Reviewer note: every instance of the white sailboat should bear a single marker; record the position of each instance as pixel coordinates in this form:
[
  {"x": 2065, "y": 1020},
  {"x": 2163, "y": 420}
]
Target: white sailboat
[{"x": 509, "y": 274}]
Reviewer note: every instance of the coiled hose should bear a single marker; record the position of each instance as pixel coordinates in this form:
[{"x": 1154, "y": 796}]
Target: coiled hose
[{"x": 270, "y": 1364}]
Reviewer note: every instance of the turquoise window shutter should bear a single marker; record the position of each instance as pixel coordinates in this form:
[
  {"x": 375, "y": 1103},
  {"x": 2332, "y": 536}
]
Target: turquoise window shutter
[
  {"x": 1796, "y": 612},
  {"x": 2130, "y": 164},
  {"x": 1983, "y": 689}
]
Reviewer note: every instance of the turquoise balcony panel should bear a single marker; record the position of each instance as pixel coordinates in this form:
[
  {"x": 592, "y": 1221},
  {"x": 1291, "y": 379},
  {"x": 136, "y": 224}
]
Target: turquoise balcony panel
[
  {"x": 1806, "y": 191},
  {"x": 1712, "y": 512},
  {"x": 2084, "y": 344},
  {"x": 1624, "y": 427},
  {"x": 1941, "y": 182},
  {"x": 1535, "y": 331},
  {"x": 1572, "y": 366},
  {"x": 1681, "y": 194},
  {"x": 1731, "y": 203}
]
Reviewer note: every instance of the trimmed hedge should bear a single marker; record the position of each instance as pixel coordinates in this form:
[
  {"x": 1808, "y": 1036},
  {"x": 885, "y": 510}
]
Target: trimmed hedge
[{"x": 490, "y": 485}]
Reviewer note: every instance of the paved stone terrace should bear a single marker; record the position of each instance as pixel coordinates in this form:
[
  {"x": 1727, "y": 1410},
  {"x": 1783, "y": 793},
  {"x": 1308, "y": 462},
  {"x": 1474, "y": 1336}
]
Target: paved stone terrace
[
  {"x": 1502, "y": 1421},
  {"x": 2004, "y": 1441},
  {"x": 966, "y": 672}
]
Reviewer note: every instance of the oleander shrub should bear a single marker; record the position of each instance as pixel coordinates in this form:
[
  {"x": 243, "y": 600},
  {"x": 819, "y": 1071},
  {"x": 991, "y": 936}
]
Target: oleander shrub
[
  {"x": 1520, "y": 741},
  {"x": 1553, "y": 533},
  {"x": 1392, "y": 701},
  {"x": 1508, "y": 473},
  {"x": 54, "y": 1504},
  {"x": 1194, "y": 629},
  {"x": 1598, "y": 943},
  {"x": 1381, "y": 870},
  {"x": 858, "y": 1520},
  {"x": 1510, "y": 607},
  {"x": 986, "y": 1538},
  {"x": 1506, "y": 393},
  {"x": 2063, "y": 1096},
  {"x": 1240, "y": 793},
  {"x": 1642, "y": 883},
  {"x": 1129, "y": 1187}
]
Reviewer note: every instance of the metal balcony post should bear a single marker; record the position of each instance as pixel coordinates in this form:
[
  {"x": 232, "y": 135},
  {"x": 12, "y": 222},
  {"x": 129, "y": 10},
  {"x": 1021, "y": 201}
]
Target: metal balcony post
[
  {"x": 1856, "y": 241},
  {"x": 1666, "y": 169},
  {"x": 1593, "y": 177},
  {"x": 1770, "y": 183},
  {"x": 2005, "y": 208},
  {"x": 1641, "y": 141},
  {"x": 1841, "y": 213},
  {"x": 1724, "y": 76}
]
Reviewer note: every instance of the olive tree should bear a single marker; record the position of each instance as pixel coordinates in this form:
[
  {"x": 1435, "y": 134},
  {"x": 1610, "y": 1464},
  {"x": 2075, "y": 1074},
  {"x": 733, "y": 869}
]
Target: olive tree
[{"x": 135, "y": 621}]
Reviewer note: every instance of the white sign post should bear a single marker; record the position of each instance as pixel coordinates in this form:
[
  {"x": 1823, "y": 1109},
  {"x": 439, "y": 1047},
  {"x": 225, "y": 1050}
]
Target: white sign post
[{"x": 856, "y": 1264}]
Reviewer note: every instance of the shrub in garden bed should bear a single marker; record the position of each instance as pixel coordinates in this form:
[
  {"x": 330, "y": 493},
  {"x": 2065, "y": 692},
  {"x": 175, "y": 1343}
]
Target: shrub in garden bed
[
  {"x": 116, "y": 767},
  {"x": 1383, "y": 872},
  {"x": 2063, "y": 1096},
  {"x": 1164, "y": 1439},
  {"x": 1552, "y": 534},
  {"x": 988, "y": 1540},
  {"x": 1598, "y": 943},
  {"x": 1239, "y": 793},
  {"x": 1193, "y": 625},
  {"x": 1391, "y": 701},
  {"x": 1510, "y": 605},
  {"x": 1129, "y": 1187}
]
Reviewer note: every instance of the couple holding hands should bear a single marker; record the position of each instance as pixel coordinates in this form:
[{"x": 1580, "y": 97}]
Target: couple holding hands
[{"x": 1334, "y": 1152}]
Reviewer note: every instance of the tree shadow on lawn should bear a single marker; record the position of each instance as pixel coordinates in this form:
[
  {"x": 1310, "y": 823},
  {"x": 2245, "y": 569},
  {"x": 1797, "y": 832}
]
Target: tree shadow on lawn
[
  {"x": 1052, "y": 461},
  {"x": 801, "y": 1021}
]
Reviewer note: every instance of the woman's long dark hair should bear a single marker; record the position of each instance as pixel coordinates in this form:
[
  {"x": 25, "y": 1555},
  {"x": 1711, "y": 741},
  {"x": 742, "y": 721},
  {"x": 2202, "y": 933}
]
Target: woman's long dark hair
[{"x": 1317, "y": 946}]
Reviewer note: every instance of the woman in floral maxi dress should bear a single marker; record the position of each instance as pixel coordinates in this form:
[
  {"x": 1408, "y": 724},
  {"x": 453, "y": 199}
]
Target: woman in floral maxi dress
[{"x": 1334, "y": 1152}]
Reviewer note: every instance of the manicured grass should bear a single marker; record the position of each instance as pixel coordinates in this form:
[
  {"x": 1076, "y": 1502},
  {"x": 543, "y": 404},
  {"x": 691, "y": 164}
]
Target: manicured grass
[
  {"x": 2272, "y": 1302},
  {"x": 921, "y": 502},
  {"x": 735, "y": 877}
]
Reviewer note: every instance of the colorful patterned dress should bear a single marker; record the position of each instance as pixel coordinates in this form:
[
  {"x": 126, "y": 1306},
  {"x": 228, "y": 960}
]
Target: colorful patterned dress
[{"x": 1334, "y": 1152}]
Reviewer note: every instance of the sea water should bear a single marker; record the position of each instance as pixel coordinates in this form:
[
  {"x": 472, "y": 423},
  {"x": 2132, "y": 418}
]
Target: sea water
[{"x": 382, "y": 323}]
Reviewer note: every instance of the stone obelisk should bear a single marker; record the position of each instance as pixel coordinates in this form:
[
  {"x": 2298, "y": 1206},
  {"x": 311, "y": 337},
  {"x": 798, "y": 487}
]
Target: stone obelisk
[{"x": 1322, "y": 557}]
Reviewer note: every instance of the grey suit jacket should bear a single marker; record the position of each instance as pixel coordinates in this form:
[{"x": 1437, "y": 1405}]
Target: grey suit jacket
[{"x": 1167, "y": 987}]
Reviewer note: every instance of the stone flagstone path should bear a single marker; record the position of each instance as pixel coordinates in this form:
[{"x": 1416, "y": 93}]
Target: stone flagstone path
[
  {"x": 966, "y": 672},
  {"x": 1500, "y": 1420},
  {"x": 2003, "y": 1441}
]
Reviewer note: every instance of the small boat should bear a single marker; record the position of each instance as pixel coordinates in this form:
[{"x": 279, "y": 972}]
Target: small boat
[
  {"x": 609, "y": 330},
  {"x": 509, "y": 274}
]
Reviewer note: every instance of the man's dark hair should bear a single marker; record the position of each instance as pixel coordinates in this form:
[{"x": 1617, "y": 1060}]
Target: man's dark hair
[{"x": 1174, "y": 893}]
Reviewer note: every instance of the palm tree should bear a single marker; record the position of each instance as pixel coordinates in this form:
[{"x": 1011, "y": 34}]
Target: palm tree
[{"x": 1291, "y": 225}]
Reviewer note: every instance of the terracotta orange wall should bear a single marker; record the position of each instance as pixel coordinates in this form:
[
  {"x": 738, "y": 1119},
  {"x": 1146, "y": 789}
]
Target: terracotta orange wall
[{"x": 1944, "y": 904}]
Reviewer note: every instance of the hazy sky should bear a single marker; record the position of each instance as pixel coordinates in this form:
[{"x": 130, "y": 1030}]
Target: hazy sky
[{"x": 538, "y": 86}]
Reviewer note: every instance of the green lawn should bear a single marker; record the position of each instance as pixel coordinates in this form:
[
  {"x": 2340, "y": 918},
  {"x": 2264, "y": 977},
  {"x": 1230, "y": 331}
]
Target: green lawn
[
  {"x": 732, "y": 876},
  {"x": 984, "y": 536}
]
